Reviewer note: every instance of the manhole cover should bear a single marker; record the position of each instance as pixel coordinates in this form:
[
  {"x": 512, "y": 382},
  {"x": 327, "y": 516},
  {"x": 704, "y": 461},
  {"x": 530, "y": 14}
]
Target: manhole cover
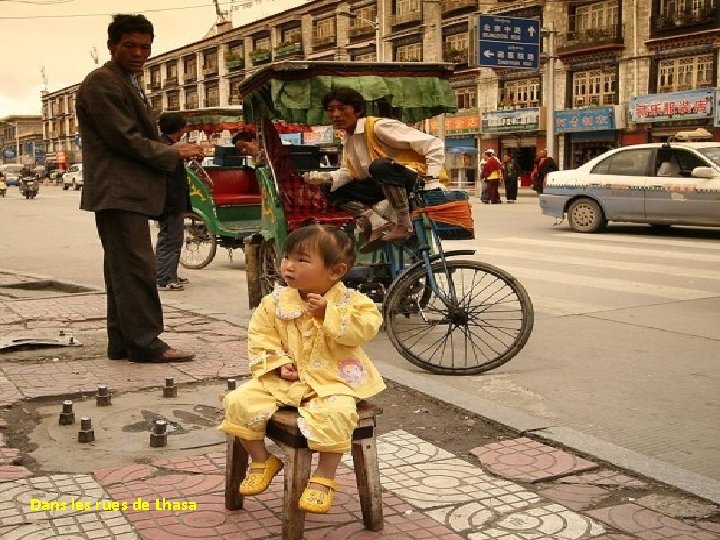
[{"x": 38, "y": 288}]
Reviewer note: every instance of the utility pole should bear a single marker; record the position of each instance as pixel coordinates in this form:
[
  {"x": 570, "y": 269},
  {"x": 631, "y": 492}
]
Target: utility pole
[{"x": 549, "y": 32}]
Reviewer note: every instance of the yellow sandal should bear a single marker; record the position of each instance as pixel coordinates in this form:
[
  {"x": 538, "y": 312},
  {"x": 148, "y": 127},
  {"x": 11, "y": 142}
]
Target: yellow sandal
[
  {"x": 257, "y": 482},
  {"x": 317, "y": 501}
]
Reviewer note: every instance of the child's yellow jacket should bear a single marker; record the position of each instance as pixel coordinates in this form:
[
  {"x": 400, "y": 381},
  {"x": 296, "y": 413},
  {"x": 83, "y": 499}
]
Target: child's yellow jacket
[{"x": 327, "y": 354}]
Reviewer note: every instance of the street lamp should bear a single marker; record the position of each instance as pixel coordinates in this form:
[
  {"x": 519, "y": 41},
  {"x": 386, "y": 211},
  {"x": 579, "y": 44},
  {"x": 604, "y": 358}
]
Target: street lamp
[
  {"x": 376, "y": 27},
  {"x": 549, "y": 32}
]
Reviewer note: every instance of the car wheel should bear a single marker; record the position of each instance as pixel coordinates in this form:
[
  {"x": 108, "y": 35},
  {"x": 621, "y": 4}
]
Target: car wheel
[{"x": 586, "y": 216}]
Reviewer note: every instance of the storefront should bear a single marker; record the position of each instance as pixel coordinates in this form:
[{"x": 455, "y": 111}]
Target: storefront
[
  {"x": 516, "y": 131},
  {"x": 660, "y": 116},
  {"x": 460, "y": 147},
  {"x": 586, "y": 133}
]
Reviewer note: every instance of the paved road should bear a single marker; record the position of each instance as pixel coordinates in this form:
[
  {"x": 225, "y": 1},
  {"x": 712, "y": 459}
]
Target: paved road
[{"x": 625, "y": 344}]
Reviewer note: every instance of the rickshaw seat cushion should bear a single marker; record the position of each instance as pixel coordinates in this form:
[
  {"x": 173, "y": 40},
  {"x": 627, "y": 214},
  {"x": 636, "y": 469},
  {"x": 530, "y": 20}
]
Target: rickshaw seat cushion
[
  {"x": 234, "y": 186},
  {"x": 303, "y": 203}
]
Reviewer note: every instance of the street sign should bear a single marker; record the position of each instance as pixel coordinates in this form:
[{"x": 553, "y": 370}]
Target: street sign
[{"x": 509, "y": 42}]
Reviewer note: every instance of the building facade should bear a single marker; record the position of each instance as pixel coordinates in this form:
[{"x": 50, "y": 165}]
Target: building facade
[
  {"x": 626, "y": 71},
  {"x": 21, "y": 139},
  {"x": 60, "y": 128}
]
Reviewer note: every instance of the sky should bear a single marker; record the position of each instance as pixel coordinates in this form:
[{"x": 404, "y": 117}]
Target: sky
[{"x": 61, "y": 35}]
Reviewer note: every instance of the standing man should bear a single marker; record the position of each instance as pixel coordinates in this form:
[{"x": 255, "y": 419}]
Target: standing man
[
  {"x": 125, "y": 165},
  {"x": 543, "y": 165},
  {"x": 492, "y": 175},
  {"x": 177, "y": 203},
  {"x": 512, "y": 173}
]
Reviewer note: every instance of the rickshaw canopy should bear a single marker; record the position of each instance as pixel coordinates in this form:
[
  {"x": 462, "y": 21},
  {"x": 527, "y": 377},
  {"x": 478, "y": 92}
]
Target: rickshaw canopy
[
  {"x": 213, "y": 119},
  {"x": 293, "y": 90}
]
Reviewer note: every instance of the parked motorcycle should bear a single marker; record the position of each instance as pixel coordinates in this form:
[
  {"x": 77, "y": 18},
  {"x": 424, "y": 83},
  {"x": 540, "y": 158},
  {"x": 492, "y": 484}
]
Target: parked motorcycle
[{"x": 29, "y": 187}]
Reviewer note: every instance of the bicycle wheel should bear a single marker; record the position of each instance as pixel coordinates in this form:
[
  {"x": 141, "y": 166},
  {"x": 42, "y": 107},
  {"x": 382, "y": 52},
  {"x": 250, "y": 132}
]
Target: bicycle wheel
[
  {"x": 269, "y": 267},
  {"x": 199, "y": 245},
  {"x": 488, "y": 324}
]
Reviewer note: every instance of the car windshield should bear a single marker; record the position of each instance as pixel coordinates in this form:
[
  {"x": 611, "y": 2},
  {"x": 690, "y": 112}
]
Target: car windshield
[{"x": 712, "y": 153}]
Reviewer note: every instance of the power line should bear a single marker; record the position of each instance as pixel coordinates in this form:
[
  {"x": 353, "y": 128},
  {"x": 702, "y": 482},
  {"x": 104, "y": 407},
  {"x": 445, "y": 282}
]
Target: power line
[{"x": 28, "y": 17}]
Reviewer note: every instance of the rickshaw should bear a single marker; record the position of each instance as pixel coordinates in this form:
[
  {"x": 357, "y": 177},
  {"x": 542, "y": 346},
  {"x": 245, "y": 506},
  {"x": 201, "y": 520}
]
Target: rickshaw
[
  {"x": 224, "y": 195},
  {"x": 446, "y": 314}
]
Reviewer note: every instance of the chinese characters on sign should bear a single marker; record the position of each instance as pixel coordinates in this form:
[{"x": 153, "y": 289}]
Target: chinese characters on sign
[
  {"x": 508, "y": 42},
  {"x": 672, "y": 106},
  {"x": 511, "y": 121},
  {"x": 458, "y": 124},
  {"x": 598, "y": 118}
]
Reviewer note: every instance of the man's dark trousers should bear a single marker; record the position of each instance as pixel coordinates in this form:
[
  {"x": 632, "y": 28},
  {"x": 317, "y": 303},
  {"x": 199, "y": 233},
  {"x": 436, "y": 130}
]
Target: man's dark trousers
[{"x": 134, "y": 312}]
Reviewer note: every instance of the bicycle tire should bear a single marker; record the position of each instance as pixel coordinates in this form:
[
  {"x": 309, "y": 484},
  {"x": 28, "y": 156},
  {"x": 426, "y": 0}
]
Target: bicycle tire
[
  {"x": 493, "y": 309},
  {"x": 197, "y": 239}
]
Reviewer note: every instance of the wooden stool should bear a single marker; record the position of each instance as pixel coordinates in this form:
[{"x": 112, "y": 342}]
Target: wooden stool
[{"x": 283, "y": 430}]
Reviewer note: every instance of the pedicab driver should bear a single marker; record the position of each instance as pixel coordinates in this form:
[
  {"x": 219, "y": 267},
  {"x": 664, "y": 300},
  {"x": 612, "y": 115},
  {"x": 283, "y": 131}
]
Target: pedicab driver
[{"x": 381, "y": 160}]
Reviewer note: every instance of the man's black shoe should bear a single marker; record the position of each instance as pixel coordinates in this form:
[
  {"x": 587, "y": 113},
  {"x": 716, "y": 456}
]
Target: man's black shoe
[{"x": 167, "y": 356}]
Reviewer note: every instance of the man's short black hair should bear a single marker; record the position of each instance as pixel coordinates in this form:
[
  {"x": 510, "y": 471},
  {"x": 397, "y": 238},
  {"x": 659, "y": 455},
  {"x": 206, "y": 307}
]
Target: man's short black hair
[
  {"x": 244, "y": 136},
  {"x": 123, "y": 23},
  {"x": 170, "y": 123},
  {"x": 346, "y": 96}
]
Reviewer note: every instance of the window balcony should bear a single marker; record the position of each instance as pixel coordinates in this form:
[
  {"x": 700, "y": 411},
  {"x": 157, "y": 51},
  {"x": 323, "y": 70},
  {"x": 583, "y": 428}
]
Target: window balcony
[
  {"x": 170, "y": 81},
  {"x": 288, "y": 49},
  {"x": 234, "y": 62},
  {"x": 594, "y": 100},
  {"x": 455, "y": 56},
  {"x": 449, "y": 6},
  {"x": 590, "y": 39},
  {"x": 361, "y": 29},
  {"x": 154, "y": 85},
  {"x": 672, "y": 23},
  {"x": 191, "y": 104},
  {"x": 210, "y": 71},
  {"x": 324, "y": 41},
  {"x": 260, "y": 56},
  {"x": 190, "y": 77},
  {"x": 401, "y": 19}
]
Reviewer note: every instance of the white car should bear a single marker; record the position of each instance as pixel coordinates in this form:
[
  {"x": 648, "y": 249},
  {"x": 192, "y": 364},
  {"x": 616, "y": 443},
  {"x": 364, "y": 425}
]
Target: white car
[
  {"x": 73, "y": 177},
  {"x": 663, "y": 184}
]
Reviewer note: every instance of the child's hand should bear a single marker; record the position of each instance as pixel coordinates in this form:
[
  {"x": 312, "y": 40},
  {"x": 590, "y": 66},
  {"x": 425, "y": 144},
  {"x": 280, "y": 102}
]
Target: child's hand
[
  {"x": 316, "y": 305},
  {"x": 289, "y": 372}
]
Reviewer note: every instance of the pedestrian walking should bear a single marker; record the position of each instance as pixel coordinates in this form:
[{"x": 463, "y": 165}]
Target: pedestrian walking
[
  {"x": 124, "y": 167},
  {"x": 511, "y": 171},
  {"x": 177, "y": 204},
  {"x": 492, "y": 175},
  {"x": 543, "y": 165},
  {"x": 304, "y": 349},
  {"x": 483, "y": 185}
]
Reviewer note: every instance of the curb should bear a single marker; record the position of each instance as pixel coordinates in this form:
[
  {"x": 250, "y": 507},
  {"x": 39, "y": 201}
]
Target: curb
[{"x": 666, "y": 473}]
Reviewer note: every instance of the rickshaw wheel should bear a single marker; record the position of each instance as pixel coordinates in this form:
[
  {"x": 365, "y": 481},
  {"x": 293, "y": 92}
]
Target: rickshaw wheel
[
  {"x": 199, "y": 245},
  {"x": 489, "y": 323},
  {"x": 269, "y": 267}
]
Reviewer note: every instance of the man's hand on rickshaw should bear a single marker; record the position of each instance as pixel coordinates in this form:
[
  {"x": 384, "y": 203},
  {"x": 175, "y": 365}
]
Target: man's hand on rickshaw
[
  {"x": 188, "y": 150},
  {"x": 316, "y": 304},
  {"x": 318, "y": 178},
  {"x": 289, "y": 372}
]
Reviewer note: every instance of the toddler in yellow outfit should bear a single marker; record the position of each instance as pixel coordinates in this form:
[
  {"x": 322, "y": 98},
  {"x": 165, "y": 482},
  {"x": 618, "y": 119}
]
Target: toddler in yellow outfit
[{"x": 304, "y": 346}]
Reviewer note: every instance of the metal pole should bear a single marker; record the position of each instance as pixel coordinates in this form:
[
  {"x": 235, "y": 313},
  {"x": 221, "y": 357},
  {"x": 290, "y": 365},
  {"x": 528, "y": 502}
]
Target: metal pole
[
  {"x": 378, "y": 42},
  {"x": 550, "y": 112},
  {"x": 17, "y": 143}
]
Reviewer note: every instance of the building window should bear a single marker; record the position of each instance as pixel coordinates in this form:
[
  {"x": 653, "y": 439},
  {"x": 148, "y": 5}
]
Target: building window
[
  {"x": 367, "y": 57},
  {"x": 155, "y": 77},
  {"x": 690, "y": 7},
  {"x": 173, "y": 101},
  {"x": 521, "y": 93},
  {"x": 406, "y": 6},
  {"x": 409, "y": 53},
  {"x": 191, "y": 98},
  {"x": 262, "y": 43},
  {"x": 210, "y": 61},
  {"x": 212, "y": 95},
  {"x": 455, "y": 48},
  {"x": 684, "y": 73},
  {"x": 466, "y": 97},
  {"x": 325, "y": 28},
  {"x": 596, "y": 16},
  {"x": 292, "y": 35},
  {"x": 171, "y": 71},
  {"x": 592, "y": 88},
  {"x": 190, "y": 68}
]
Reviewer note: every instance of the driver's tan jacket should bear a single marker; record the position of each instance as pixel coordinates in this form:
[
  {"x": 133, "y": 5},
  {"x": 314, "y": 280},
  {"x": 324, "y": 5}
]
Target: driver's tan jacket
[{"x": 327, "y": 353}]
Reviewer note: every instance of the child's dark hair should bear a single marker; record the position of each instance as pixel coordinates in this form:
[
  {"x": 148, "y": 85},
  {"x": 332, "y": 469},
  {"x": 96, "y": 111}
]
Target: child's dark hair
[
  {"x": 129, "y": 24},
  {"x": 170, "y": 123},
  {"x": 332, "y": 243},
  {"x": 346, "y": 96}
]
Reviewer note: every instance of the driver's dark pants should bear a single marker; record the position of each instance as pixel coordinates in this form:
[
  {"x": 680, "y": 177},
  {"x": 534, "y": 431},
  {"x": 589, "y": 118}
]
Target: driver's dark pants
[
  {"x": 384, "y": 173},
  {"x": 134, "y": 312}
]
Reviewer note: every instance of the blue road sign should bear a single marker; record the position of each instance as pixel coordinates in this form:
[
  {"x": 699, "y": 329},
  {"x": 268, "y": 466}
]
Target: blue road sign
[{"x": 509, "y": 42}]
